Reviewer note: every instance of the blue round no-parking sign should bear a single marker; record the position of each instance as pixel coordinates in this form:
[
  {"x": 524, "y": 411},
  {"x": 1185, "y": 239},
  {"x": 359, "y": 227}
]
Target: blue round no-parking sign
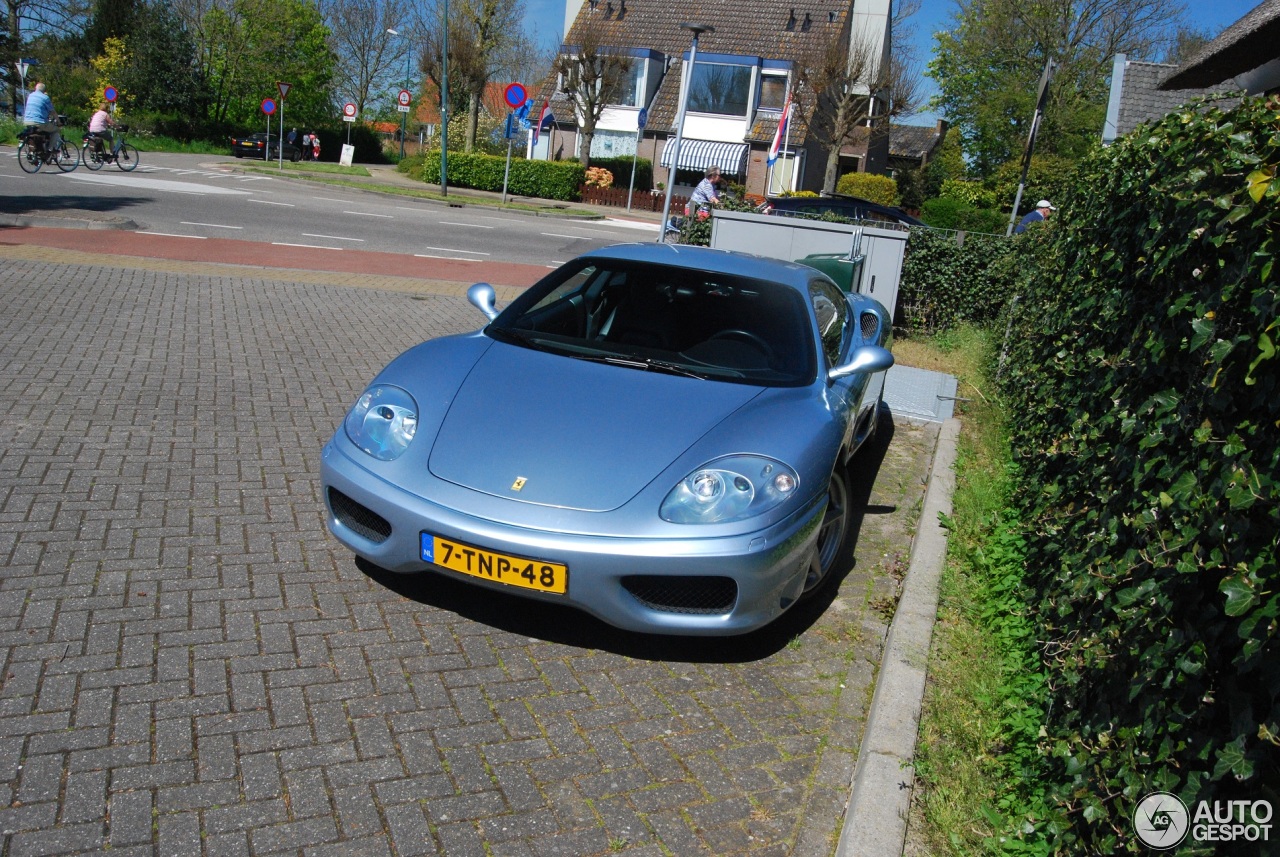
[{"x": 268, "y": 106}]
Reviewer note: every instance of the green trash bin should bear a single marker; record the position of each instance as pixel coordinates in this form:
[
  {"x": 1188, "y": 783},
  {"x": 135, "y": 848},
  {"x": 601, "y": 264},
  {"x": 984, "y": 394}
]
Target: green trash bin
[{"x": 846, "y": 270}]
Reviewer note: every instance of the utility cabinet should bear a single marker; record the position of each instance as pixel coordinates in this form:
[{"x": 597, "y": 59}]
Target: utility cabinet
[{"x": 863, "y": 258}]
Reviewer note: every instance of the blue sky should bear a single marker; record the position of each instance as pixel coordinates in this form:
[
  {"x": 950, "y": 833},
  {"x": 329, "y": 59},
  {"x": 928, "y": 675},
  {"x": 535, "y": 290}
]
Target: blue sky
[{"x": 546, "y": 19}]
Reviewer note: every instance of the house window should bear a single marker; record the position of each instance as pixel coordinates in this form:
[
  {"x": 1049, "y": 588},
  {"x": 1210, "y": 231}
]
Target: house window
[
  {"x": 773, "y": 91},
  {"x": 631, "y": 88},
  {"x": 720, "y": 89}
]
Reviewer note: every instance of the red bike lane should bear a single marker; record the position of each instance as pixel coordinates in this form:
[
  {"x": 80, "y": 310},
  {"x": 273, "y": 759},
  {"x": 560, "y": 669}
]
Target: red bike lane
[{"x": 259, "y": 254}]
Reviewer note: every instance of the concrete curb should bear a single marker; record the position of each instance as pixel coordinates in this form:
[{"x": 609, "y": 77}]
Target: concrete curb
[
  {"x": 87, "y": 221},
  {"x": 875, "y": 821}
]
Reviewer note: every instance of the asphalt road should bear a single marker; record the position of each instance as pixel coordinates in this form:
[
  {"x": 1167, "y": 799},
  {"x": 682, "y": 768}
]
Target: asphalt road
[{"x": 209, "y": 197}]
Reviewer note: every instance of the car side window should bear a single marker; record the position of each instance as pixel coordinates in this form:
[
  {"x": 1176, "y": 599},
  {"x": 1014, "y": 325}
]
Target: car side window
[
  {"x": 571, "y": 286},
  {"x": 832, "y": 311}
]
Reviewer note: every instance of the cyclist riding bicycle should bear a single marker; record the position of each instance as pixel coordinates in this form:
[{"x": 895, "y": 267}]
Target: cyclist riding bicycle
[
  {"x": 38, "y": 115},
  {"x": 100, "y": 125}
]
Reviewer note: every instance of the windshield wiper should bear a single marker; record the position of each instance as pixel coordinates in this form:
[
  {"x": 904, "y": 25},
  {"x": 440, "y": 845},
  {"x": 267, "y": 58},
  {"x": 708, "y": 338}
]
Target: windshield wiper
[{"x": 648, "y": 363}]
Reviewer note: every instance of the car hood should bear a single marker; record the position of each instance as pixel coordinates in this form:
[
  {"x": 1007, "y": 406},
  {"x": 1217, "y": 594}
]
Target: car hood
[{"x": 556, "y": 431}]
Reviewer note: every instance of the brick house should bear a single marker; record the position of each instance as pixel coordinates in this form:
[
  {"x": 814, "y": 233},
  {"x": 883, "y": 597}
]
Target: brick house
[{"x": 745, "y": 70}]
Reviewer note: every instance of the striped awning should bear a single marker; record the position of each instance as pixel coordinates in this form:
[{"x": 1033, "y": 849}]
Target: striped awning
[{"x": 731, "y": 158}]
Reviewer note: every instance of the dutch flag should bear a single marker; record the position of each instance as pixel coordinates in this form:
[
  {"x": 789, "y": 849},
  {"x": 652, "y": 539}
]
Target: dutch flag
[
  {"x": 545, "y": 118},
  {"x": 780, "y": 135}
]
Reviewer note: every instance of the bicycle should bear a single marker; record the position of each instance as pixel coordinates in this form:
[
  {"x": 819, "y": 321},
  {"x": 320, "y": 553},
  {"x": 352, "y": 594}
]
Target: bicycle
[
  {"x": 34, "y": 151},
  {"x": 123, "y": 155}
]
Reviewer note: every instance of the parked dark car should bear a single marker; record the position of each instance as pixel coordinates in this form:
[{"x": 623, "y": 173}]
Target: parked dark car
[
  {"x": 264, "y": 147},
  {"x": 851, "y": 207}
]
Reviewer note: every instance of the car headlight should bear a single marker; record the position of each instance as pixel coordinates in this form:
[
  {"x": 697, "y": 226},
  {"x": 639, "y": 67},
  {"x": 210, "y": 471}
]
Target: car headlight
[
  {"x": 730, "y": 489},
  {"x": 383, "y": 421}
]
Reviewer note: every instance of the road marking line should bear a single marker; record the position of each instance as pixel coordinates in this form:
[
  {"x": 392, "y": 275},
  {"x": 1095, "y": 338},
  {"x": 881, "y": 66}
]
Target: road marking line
[
  {"x": 558, "y": 235},
  {"x": 331, "y": 237},
  {"x": 270, "y": 202},
  {"x": 451, "y": 258},
  {"x": 472, "y": 225},
  {"x": 455, "y": 250},
  {"x": 369, "y": 214},
  {"x": 173, "y": 235},
  {"x": 210, "y": 225},
  {"x": 328, "y": 199},
  {"x": 304, "y": 246}
]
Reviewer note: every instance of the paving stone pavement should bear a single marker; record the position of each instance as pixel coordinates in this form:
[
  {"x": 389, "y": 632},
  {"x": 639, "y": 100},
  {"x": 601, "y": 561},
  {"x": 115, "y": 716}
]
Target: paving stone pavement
[{"x": 191, "y": 666}]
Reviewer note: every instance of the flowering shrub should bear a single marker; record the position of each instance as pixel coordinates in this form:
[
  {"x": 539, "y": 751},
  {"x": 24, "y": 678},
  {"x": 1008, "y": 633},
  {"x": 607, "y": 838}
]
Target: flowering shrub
[{"x": 599, "y": 177}]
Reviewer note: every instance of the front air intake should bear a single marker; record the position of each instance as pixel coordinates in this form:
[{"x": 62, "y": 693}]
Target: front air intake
[
  {"x": 698, "y": 595},
  {"x": 361, "y": 520}
]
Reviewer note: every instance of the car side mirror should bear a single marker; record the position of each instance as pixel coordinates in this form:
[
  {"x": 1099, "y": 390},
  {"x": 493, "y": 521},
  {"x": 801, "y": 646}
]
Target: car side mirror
[
  {"x": 482, "y": 298},
  {"x": 868, "y": 358}
]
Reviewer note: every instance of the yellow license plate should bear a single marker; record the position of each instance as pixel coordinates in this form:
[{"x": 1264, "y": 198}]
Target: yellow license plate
[{"x": 502, "y": 568}]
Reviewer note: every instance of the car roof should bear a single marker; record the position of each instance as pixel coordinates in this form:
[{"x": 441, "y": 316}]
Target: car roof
[
  {"x": 839, "y": 200},
  {"x": 712, "y": 261}
]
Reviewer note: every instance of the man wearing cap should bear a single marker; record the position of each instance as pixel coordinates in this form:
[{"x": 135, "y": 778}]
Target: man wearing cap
[{"x": 1041, "y": 213}]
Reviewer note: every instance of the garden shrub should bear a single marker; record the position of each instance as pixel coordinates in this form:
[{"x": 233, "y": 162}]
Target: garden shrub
[
  {"x": 876, "y": 188},
  {"x": 542, "y": 179},
  {"x": 621, "y": 169},
  {"x": 948, "y": 213},
  {"x": 1144, "y": 373},
  {"x": 969, "y": 192}
]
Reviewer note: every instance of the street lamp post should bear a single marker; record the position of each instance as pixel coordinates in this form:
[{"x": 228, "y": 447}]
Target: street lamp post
[
  {"x": 444, "y": 107},
  {"x": 697, "y": 30},
  {"x": 404, "y": 114}
]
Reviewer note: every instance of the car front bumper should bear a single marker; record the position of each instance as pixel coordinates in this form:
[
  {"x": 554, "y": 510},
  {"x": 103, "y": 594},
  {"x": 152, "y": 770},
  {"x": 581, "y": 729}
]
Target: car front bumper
[{"x": 650, "y": 585}]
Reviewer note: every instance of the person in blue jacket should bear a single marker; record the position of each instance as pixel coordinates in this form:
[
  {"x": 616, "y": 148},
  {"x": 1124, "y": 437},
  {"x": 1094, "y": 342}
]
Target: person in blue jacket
[
  {"x": 39, "y": 113},
  {"x": 1041, "y": 213}
]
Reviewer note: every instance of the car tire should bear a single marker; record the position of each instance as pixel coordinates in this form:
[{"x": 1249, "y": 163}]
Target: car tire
[
  {"x": 833, "y": 535},
  {"x": 296, "y": 156}
]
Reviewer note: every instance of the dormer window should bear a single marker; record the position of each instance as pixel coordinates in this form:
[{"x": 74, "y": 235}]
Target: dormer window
[
  {"x": 720, "y": 88},
  {"x": 773, "y": 90}
]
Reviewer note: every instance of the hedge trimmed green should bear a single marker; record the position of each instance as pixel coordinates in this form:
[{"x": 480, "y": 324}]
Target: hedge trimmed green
[
  {"x": 542, "y": 179},
  {"x": 946, "y": 281},
  {"x": 1144, "y": 373}
]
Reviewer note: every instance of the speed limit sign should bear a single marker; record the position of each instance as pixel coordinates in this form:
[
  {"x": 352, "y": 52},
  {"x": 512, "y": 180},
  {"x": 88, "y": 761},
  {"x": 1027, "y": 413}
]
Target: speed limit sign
[{"x": 348, "y": 112}]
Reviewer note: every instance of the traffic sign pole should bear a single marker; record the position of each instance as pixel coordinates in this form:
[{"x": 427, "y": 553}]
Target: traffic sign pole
[{"x": 641, "y": 119}]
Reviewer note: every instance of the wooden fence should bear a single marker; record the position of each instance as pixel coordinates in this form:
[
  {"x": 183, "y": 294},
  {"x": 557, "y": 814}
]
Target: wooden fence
[{"x": 641, "y": 200}]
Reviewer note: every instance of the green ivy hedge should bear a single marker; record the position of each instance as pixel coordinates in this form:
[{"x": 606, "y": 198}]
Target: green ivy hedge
[
  {"x": 946, "y": 281},
  {"x": 542, "y": 179},
  {"x": 1143, "y": 369}
]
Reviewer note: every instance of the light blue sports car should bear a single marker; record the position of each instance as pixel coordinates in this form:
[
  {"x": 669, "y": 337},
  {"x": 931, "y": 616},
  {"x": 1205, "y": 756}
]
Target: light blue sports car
[{"x": 655, "y": 434}]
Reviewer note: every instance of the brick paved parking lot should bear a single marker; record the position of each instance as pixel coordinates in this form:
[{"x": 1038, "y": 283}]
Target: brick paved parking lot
[{"x": 191, "y": 666}]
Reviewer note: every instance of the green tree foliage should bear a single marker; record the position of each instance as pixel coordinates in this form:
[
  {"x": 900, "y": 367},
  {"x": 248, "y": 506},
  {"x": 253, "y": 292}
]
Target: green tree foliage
[
  {"x": 988, "y": 64},
  {"x": 250, "y": 45},
  {"x": 159, "y": 85},
  {"x": 1144, "y": 371},
  {"x": 947, "y": 164}
]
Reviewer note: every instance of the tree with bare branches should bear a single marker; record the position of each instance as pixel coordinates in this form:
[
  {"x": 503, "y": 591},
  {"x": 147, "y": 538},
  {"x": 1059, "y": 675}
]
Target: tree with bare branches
[
  {"x": 850, "y": 87},
  {"x": 592, "y": 76},
  {"x": 368, "y": 56}
]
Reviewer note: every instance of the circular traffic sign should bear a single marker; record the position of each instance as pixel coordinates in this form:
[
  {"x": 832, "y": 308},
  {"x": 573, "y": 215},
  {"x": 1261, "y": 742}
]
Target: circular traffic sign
[
  {"x": 109, "y": 93},
  {"x": 515, "y": 95},
  {"x": 268, "y": 106},
  {"x": 405, "y": 97},
  {"x": 348, "y": 109}
]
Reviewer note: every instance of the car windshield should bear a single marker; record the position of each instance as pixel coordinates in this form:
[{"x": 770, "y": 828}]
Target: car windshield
[{"x": 666, "y": 319}]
